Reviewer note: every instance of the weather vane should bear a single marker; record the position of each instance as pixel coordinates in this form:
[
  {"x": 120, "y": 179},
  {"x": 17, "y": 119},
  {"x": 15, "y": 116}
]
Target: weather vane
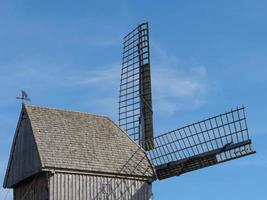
[{"x": 24, "y": 96}]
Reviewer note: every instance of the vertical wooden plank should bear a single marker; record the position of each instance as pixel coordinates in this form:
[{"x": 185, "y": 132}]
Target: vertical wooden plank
[
  {"x": 94, "y": 186},
  {"x": 58, "y": 186},
  {"x": 87, "y": 188},
  {"x": 84, "y": 187},
  {"x": 71, "y": 187},
  {"x": 63, "y": 183},
  {"x": 91, "y": 178},
  {"x": 51, "y": 187},
  {"x": 68, "y": 188},
  {"x": 81, "y": 186},
  {"x": 74, "y": 187},
  {"x": 78, "y": 187}
]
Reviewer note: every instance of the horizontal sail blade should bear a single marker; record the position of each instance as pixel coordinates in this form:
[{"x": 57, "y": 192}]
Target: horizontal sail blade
[{"x": 205, "y": 143}]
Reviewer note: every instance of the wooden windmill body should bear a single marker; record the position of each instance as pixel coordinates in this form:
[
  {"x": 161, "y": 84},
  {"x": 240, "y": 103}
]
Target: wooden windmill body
[{"x": 58, "y": 154}]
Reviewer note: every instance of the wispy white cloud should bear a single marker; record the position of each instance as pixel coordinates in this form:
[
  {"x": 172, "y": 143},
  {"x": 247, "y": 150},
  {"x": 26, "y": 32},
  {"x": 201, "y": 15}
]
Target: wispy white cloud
[
  {"x": 103, "y": 35},
  {"x": 105, "y": 83},
  {"x": 175, "y": 89},
  {"x": 174, "y": 85},
  {"x": 105, "y": 76},
  {"x": 177, "y": 84},
  {"x": 53, "y": 75}
]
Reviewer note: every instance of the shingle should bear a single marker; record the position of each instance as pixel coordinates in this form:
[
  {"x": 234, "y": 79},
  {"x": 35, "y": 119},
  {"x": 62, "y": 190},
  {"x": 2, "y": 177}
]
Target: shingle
[{"x": 87, "y": 142}]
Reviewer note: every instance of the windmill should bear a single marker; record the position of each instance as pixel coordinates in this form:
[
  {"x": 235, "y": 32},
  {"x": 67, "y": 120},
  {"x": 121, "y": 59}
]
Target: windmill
[
  {"x": 94, "y": 159},
  {"x": 201, "y": 144}
]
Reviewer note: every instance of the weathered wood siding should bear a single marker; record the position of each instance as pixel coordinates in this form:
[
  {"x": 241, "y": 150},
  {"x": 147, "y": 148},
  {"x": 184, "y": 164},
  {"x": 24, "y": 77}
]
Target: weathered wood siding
[
  {"x": 24, "y": 161},
  {"x": 88, "y": 187},
  {"x": 33, "y": 189}
]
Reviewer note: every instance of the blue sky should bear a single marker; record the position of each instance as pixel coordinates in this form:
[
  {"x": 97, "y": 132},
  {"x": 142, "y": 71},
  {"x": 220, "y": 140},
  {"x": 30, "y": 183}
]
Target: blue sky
[{"x": 207, "y": 57}]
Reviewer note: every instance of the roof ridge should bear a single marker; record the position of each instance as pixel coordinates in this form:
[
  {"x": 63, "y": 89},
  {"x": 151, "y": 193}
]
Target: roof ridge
[{"x": 64, "y": 110}]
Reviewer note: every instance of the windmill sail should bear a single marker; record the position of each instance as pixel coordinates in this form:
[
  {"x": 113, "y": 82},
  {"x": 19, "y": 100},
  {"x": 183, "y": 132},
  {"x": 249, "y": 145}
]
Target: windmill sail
[
  {"x": 135, "y": 100},
  {"x": 214, "y": 140}
]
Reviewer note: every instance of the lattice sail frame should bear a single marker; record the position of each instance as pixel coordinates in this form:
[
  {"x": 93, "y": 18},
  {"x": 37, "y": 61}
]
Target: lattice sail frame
[
  {"x": 214, "y": 140},
  {"x": 135, "y": 100}
]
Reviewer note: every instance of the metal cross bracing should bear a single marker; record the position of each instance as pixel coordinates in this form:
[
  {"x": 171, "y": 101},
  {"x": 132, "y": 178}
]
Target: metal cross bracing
[
  {"x": 214, "y": 140},
  {"x": 133, "y": 165},
  {"x": 135, "y": 100}
]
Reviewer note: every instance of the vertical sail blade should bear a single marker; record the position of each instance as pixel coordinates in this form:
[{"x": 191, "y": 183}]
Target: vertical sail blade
[{"x": 135, "y": 100}]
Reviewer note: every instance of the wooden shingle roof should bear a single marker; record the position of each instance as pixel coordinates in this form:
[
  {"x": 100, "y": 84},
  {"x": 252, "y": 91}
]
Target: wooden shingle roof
[{"x": 84, "y": 142}]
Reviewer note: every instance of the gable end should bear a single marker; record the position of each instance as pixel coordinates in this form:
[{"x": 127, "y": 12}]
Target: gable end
[{"x": 24, "y": 159}]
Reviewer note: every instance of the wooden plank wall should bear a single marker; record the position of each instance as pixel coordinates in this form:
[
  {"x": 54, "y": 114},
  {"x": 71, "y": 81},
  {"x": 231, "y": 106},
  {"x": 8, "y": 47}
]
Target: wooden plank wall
[
  {"x": 33, "y": 189},
  {"x": 63, "y": 186}
]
